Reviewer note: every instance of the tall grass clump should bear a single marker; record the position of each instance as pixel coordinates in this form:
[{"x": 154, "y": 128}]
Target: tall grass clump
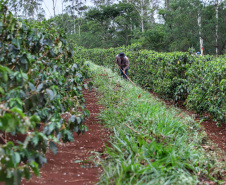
[{"x": 150, "y": 143}]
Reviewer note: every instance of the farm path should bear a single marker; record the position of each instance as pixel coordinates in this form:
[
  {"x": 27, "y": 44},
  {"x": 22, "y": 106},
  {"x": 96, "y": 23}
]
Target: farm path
[{"x": 72, "y": 164}]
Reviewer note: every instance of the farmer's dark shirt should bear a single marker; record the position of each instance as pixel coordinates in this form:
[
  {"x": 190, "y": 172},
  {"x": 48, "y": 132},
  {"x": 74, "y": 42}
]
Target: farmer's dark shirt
[{"x": 122, "y": 63}]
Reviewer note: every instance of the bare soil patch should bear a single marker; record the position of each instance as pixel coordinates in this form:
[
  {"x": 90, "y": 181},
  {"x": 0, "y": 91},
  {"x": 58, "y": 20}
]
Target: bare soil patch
[{"x": 74, "y": 164}]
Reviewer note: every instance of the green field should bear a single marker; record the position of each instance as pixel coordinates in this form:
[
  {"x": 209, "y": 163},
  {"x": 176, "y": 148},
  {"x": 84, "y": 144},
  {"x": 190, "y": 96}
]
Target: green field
[{"x": 150, "y": 143}]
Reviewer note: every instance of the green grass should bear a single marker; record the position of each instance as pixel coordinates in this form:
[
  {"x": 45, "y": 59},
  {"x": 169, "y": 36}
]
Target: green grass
[{"x": 150, "y": 143}]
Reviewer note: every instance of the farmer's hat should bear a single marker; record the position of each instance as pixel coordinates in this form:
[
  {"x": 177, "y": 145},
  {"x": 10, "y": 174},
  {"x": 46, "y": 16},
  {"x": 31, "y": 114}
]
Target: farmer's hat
[{"x": 121, "y": 54}]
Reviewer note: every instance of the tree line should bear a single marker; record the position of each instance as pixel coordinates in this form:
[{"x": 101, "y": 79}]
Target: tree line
[{"x": 165, "y": 26}]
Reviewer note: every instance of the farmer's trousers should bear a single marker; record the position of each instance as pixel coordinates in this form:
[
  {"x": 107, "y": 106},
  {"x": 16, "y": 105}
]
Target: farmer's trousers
[{"x": 122, "y": 74}]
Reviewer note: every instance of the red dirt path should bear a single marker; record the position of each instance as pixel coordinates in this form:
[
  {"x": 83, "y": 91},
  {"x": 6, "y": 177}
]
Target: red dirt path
[{"x": 61, "y": 168}]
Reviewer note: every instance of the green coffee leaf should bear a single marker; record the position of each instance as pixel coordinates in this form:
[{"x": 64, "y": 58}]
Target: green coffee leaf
[
  {"x": 39, "y": 88},
  {"x": 16, "y": 158},
  {"x": 32, "y": 87},
  {"x": 50, "y": 94},
  {"x": 53, "y": 147}
]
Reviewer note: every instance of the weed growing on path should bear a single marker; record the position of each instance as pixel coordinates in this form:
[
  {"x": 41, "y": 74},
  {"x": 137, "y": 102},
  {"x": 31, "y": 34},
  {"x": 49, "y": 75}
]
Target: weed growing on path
[{"x": 150, "y": 144}]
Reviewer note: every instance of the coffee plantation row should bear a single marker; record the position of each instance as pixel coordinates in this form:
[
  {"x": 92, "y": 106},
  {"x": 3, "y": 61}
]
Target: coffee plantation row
[
  {"x": 199, "y": 81},
  {"x": 40, "y": 78}
]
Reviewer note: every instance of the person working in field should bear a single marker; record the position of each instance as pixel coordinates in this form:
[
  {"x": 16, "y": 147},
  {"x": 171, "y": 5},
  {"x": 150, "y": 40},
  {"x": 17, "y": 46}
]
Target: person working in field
[{"x": 123, "y": 63}]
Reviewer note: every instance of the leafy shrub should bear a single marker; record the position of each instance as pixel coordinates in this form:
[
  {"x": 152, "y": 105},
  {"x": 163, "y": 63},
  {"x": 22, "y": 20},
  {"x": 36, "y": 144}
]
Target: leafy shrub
[
  {"x": 176, "y": 75},
  {"x": 207, "y": 83},
  {"x": 39, "y": 80}
]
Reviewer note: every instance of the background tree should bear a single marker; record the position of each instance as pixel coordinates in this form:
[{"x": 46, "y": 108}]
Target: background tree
[
  {"x": 27, "y": 8},
  {"x": 166, "y": 25},
  {"x": 63, "y": 21},
  {"x": 14, "y": 6},
  {"x": 118, "y": 21},
  {"x": 209, "y": 22},
  {"x": 216, "y": 7},
  {"x": 76, "y": 9},
  {"x": 102, "y": 2},
  {"x": 184, "y": 31},
  {"x": 54, "y": 7}
]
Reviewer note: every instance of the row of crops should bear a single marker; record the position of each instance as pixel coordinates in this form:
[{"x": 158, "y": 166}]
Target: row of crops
[
  {"x": 41, "y": 77},
  {"x": 200, "y": 82}
]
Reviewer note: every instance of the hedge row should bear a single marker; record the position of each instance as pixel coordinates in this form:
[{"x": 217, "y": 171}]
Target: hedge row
[
  {"x": 199, "y": 81},
  {"x": 39, "y": 80}
]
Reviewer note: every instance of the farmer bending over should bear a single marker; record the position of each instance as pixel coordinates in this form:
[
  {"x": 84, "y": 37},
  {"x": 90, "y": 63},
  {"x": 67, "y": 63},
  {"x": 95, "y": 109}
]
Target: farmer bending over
[{"x": 123, "y": 64}]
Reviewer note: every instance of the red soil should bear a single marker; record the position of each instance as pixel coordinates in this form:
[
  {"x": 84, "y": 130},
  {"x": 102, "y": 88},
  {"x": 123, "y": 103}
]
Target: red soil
[
  {"x": 215, "y": 133},
  {"x": 72, "y": 164}
]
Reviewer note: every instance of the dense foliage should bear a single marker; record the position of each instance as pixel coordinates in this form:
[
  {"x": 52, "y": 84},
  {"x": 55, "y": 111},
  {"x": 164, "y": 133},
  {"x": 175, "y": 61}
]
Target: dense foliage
[
  {"x": 157, "y": 27},
  {"x": 200, "y": 81},
  {"x": 151, "y": 144},
  {"x": 181, "y": 29},
  {"x": 39, "y": 80}
]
